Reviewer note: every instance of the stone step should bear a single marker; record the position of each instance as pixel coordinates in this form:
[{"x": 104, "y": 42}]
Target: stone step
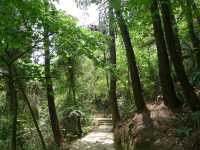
[
  {"x": 104, "y": 120},
  {"x": 105, "y": 123}
]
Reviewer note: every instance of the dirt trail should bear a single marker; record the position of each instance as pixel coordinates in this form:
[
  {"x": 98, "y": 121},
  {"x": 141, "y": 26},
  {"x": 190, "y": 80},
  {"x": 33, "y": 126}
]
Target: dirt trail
[{"x": 100, "y": 139}]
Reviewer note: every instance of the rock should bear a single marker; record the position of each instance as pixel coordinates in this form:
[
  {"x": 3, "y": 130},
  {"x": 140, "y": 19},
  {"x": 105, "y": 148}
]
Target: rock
[{"x": 71, "y": 123}]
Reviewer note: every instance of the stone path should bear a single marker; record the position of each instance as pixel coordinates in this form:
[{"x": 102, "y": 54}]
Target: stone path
[{"x": 100, "y": 139}]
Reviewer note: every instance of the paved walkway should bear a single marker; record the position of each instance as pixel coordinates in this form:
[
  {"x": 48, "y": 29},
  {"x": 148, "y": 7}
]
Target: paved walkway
[{"x": 100, "y": 139}]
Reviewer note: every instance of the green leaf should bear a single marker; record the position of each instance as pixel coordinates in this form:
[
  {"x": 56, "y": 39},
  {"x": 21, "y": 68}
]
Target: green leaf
[{"x": 116, "y": 4}]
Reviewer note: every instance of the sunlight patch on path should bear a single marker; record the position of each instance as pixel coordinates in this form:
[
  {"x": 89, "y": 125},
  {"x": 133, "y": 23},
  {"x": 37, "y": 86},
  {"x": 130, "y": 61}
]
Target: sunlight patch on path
[{"x": 101, "y": 139}]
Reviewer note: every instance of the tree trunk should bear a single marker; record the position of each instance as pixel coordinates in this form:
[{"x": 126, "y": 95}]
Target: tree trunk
[
  {"x": 169, "y": 94},
  {"x": 197, "y": 12},
  {"x": 128, "y": 88},
  {"x": 72, "y": 79},
  {"x": 193, "y": 37},
  {"x": 50, "y": 92},
  {"x": 74, "y": 95},
  {"x": 49, "y": 85},
  {"x": 106, "y": 73},
  {"x": 12, "y": 94},
  {"x": 137, "y": 89},
  {"x": 175, "y": 50},
  {"x": 34, "y": 118},
  {"x": 113, "y": 79}
]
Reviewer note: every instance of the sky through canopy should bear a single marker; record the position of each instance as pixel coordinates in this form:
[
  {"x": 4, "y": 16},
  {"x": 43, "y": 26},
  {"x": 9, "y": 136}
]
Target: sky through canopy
[{"x": 85, "y": 17}]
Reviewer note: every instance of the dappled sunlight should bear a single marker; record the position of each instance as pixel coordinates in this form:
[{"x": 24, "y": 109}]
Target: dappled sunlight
[
  {"x": 99, "y": 75},
  {"x": 100, "y": 139}
]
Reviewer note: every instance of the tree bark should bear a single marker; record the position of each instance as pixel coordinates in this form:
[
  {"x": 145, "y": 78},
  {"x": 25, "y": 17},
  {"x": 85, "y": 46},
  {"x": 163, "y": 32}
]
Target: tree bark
[
  {"x": 72, "y": 79},
  {"x": 106, "y": 73},
  {"x": 13, "y": 107},
  {"x": 193, "y": 37},
  {"x": 128, "y": 88},
  {"x": 136, "y": 85},
  {"x": 113, "y": 79},
  {"x": 168, "y": 90},
  {"x": 175, "y": 50},
  {"x": 50, "y": 92}
]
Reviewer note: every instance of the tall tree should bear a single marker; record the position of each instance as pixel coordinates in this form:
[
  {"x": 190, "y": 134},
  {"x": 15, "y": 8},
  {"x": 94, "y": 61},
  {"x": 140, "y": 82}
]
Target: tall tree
[
  {"x": 7, "y": 57},
  {"x": 50, "y": 91},
  {"x": 166, "y": 81},
  {"x": 175, "y": 51},
  {"x": 113, "y": 79},
  {"x": 72, "y": 78},
  {"x": 15, "y": 39},
  {"x": 49, "y": 84},
  {"x": 13, "y": 106},
  {"x": 136, "y": 85}
]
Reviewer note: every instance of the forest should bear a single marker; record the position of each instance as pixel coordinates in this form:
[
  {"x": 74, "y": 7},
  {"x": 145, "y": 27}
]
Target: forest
[{"x": 129, "y": 82}]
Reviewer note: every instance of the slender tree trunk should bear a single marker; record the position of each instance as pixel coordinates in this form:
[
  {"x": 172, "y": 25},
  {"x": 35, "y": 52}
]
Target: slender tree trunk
[
  {"x": 136, "y": 85},
  {"x": 34, "y": 118},
  {"x": 175, "y": 50},
  {"x": 14, "y": 131},
  {"x": 49, "y": 85},
  {"x": 13, "y": 107},
  {"x": 169, "y": 94},
  {"x": 193, "y": 37},
  {"x": 106, "y": 74},
  {"x": 113, "y": 79},
  {"x": 50, "y": 92},
  {"x": 72, "y": 79},
  {"x": 129, "y": 91},
  {"x": 196, "y": 10},
  {"x": 153, "y": 74},
  {"x": 74, "y": 95}
]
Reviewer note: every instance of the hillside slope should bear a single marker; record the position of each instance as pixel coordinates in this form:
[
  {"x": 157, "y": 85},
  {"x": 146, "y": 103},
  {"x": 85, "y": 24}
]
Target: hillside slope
[{"x": 160, "y": 129}]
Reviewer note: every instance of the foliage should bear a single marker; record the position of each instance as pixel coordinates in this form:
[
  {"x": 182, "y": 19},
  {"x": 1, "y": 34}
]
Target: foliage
[
  {"x": 187, "y": 123},
  {"x": 182, "y": 132},
  {"x": 80, "y": 65}
]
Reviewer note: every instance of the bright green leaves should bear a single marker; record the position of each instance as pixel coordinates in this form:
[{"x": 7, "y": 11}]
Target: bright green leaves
[
  {"x": 72, "y": 40},
  {"x": 116, "y": 4},
  {"x": 141, "y": 2},
  {"x": 18, "y": 20}
]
